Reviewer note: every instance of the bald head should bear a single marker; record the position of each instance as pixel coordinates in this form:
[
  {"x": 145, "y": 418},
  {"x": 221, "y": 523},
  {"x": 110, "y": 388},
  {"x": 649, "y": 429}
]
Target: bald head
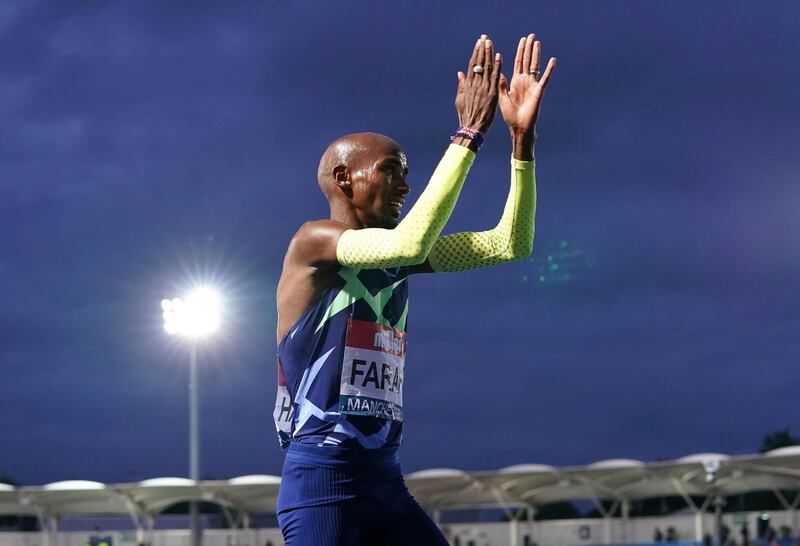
[
  {"x": 352, "y": 151},
  {"x": 363, "y": 175}
]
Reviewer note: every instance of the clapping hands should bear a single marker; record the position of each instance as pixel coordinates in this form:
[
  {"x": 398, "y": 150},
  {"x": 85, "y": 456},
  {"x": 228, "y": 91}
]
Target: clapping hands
[{"x": 483, "y": 87}]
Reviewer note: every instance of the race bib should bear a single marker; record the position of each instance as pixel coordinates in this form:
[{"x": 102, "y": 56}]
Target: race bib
[
  {"x": 284, "y": 410},
  {"x": 372, "y": 371}
]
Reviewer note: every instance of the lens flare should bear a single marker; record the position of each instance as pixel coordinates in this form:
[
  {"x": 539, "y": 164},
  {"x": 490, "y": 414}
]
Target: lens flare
[{"x": 198, "y": 316}]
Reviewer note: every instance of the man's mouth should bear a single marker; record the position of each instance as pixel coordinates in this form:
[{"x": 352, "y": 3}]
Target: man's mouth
[{"x": 397, "y": 202}]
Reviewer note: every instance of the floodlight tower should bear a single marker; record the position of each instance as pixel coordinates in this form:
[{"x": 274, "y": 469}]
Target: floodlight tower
[{"x": 194, "y": 319}]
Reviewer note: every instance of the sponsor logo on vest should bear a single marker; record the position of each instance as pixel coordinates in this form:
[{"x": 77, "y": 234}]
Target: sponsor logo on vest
[{"x": 388, "y": 341}]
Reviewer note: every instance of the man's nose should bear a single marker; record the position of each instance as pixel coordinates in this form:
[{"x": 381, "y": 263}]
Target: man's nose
[{"x": 403, "y": 187}]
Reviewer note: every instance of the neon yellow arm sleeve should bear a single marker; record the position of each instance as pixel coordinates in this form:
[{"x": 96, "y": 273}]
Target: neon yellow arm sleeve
[
  {"x": 410, "y": 242},
  {"x": 511, "y": 239}
]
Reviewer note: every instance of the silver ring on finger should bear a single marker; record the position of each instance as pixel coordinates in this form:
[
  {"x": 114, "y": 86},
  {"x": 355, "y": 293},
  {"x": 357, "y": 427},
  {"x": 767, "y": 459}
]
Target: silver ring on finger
[
  {"x": 478, "y": 69},
  {"x": 535, "y": 73}
]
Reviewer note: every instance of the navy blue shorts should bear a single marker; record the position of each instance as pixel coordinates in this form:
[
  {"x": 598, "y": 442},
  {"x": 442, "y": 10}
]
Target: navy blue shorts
[{"x": 331, "y": 496}]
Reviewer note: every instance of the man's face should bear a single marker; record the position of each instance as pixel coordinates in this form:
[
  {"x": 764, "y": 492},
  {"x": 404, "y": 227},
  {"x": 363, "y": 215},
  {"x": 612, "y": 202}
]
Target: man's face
[{"x": 379, "y": 186}]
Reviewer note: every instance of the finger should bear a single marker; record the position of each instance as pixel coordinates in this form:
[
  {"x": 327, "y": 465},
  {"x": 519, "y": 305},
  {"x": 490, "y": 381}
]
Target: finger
[
  {"x": 479, "y": 57},
  {"x": 497, "y": 71},
  {"x": 551, "y": 65},
  {"x": 473, "y": 58},
  {"x": 488, "y": 57},
  {"x": 526, "y": 60},
  {"x": 537, "y": 51},
  {"x": 502, "y": 85},
  {"x": 518, "y": 58}
]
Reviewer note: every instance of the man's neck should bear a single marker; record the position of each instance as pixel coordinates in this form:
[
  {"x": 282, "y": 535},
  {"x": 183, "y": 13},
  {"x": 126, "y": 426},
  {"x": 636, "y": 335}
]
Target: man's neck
[{"x": 344, "y": 214}]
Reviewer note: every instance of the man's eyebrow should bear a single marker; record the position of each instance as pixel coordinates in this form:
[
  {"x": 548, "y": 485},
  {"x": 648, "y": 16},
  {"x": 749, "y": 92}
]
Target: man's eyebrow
[{"x": 394, "y": 161}]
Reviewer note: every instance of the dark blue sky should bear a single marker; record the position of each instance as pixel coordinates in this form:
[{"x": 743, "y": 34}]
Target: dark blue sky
[{"x": 144, "y": 144}]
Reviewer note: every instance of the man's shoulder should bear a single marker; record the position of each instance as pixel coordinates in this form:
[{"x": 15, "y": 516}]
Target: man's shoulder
[
  {"x": 313, "y": 230},
  {"x": 315, "y": 241}
]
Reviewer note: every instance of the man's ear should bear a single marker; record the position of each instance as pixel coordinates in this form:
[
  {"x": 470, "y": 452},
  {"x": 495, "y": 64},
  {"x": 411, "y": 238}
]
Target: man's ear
[{"x": 341, "y": 176}]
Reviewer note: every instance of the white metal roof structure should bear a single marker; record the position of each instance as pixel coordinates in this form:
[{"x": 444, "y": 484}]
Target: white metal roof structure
[
  {"x": 697, "y": 478},
  {"x": 620, "y": 480}
]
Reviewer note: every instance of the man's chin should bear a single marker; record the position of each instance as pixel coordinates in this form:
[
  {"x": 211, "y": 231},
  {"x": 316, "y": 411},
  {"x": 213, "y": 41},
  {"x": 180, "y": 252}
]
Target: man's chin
[{"x": 387, "y": 222}]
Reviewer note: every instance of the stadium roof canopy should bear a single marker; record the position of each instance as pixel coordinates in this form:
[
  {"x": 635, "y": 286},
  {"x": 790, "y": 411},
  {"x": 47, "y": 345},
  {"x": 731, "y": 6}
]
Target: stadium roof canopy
[{"x": 620, "y": 481}]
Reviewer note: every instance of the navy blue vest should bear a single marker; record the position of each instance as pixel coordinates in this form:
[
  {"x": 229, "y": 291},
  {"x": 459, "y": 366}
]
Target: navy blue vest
[{"x": 340, "y": 366}]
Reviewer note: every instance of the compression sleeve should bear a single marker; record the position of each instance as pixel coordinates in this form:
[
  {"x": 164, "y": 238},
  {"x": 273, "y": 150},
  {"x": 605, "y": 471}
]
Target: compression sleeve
[
  {"x": 410, "y": 242},
  {"x": 511, "y": 239}
]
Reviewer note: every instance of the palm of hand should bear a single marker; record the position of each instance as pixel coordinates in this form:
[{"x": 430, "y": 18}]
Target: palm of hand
[
  {"x": 519, "y": 101},
  {"x": 520, "y": 106}
]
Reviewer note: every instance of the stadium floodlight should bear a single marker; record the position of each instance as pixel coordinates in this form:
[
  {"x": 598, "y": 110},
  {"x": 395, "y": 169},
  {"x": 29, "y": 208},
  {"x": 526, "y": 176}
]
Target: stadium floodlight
[
  {"x": 198, "y": 316},
  {"x": 195, "y": 318}
]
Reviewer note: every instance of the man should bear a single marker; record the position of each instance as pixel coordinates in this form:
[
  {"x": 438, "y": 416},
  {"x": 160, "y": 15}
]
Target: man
[{"x": 343, "y": 305}]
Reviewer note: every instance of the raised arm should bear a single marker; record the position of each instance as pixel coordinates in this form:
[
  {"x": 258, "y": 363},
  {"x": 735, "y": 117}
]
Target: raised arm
[
  {"x": 411, "y": 240},
  {"x": 520, "y": 101},
  {"x": 512, "y": 238}
]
